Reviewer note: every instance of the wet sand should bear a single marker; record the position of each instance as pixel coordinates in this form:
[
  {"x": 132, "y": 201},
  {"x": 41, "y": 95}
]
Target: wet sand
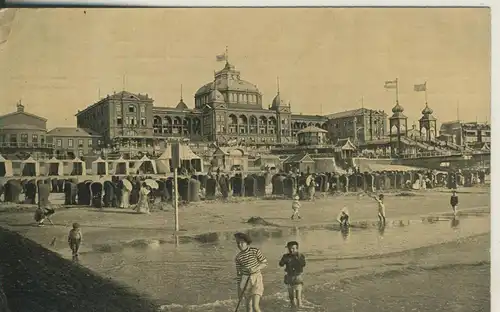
[{"x": 139, "y": 250}]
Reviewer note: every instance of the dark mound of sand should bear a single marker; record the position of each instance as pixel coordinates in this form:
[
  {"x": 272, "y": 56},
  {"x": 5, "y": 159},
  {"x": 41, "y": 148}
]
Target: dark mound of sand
[
  {"x": 36, "y": 279},
  {"x": 406, "y": 194},
  {"x": 260, "y": 221}
]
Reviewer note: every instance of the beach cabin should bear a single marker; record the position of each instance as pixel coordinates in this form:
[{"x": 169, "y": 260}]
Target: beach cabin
[
  {"x": 118, "y": 166},
  {"x": 30, "y": 167},
  {"x": 143, "y": 166},
  {"x": 53, "y": 167},
  {"x": 100, "y": 167},
  {"x": 75, "y": 167},
  {"x": 5, "y": 167},
  {"x": 228, "y": 158}
]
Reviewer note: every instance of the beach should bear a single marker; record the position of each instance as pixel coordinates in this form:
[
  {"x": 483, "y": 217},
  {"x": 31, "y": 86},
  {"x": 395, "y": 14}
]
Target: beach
[{"x": 422, "y": 261}]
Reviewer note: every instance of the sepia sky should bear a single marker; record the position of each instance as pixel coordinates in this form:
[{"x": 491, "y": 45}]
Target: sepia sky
[{"x": 56, "y": 60}]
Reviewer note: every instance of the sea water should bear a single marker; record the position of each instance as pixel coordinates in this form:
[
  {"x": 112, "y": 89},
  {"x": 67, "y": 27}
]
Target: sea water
[{"x": 414, "y": 266}]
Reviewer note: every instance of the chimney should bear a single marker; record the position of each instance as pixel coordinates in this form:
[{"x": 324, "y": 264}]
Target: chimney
[{"x": 20, "y": 107}]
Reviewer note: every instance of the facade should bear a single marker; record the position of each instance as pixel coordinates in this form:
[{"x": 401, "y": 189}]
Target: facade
[
  {"x": 73, "y": 142},
  {"x": 471, "y": 134},
  {"x": 21, "y": 132},
  {"x": 227, "y": 111},
  {"x": 360, "y": 125}
]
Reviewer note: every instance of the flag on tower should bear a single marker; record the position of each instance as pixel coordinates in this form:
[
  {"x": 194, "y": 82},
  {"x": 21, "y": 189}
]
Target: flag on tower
[
  {"x": 391, "y": 84},
  {"x": 420, "y": 87},
  {"x": 220, "y": 57}
]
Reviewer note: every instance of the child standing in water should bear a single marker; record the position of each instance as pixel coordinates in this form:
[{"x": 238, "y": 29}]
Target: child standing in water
[
  {"x": 294, "y": 263},
  {"x": 454, "y": 202},
  {"x": 74, "y": 240},
  {"x": 343, "y": 218},
  {"x": 381, "y": 208},
  {"x": 249, "y": 263},
  {"x": 295, "y": 208}
]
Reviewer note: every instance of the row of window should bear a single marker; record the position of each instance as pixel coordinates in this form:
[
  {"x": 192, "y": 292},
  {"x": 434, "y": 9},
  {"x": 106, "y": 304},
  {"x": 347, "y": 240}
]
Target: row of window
[
  {"x": 131, "y": 121},
  {"x": 24, "y": 138},
  {"x": 132, "y": 108},
  {"x": 59, "y": 143},
  {"x": 240, "y": 98}
]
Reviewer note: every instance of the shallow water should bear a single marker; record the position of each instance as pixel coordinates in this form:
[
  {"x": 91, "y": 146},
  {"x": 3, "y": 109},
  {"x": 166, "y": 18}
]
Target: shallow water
[{"x": 416, "y": 267}]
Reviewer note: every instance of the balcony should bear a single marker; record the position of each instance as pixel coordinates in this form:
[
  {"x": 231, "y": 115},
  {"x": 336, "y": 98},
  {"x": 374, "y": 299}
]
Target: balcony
[{"x": 24, "y": 145}]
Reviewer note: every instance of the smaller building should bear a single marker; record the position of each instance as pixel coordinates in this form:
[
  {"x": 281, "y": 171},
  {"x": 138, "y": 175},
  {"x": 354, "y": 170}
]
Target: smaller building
[
  {"x": 301, "y": 162},
  {"x": 471, "y": 134},
  {"x": 229, "y": 158},
  {"x": 360, "y": 125},
  {"x": 72, "y": 142},
  {"x": 23, "y": 132},
  {"x": 312, "y": 135}
]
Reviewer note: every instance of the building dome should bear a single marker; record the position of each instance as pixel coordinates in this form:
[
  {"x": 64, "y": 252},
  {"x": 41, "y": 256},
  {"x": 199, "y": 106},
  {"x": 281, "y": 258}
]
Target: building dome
[
  {"x": 216, "y": 96},
  {"x": 397, "y": 109},
  {"x": 230, "y": 89},
  {"x": 427, "y": 110},
  {"x": 277, "y": 102}
]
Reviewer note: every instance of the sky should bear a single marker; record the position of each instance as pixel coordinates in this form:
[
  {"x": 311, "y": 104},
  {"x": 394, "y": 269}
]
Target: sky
[{"x": 328, "y": 60}]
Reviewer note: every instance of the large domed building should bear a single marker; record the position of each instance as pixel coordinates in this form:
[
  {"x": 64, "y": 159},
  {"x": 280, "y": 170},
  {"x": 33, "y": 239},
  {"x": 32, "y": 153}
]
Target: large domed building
[{"x": 226, "y": 110}]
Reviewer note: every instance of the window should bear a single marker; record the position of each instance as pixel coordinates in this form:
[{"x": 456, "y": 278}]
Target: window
[
  {"x": 70, "y": 142},
  {"x": 131, "y": 109},
  {"x": 59, "y": 143},
  {"x": 24, "y": 137},
  {"x": 89, "y": 143},
  {"x": 119, "y": 108},
  {"x": 80, "y": 142},
  {"x": 143, "y": 109},
  {"x": 131, "y": 121},
  {"x": 34, "y": 138},
  {"x": 119, "y": 121},
  {"x": 80, "y": 153},
  {"x": 143, "y": 122}
]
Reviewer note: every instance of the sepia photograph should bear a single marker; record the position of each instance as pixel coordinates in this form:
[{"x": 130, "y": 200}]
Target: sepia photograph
[{"x": 328, "y": 159}]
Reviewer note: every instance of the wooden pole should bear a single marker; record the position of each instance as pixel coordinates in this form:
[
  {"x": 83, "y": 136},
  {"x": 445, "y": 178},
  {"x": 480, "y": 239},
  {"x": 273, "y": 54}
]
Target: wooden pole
[{"x": 176, "y": 201}]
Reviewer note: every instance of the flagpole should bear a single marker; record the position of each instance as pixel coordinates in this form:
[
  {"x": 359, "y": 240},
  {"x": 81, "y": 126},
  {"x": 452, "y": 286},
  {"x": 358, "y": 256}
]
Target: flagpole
[
  {"x": 227, "y": 56},
  {"x": 458, "y": 110},
  {"x": 397, "y": 91},
  {"x": 425, "y": 87}
]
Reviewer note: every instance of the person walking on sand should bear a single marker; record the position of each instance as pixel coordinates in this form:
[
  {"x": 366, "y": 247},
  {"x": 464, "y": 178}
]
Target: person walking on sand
[
  {"x": 143, "y": 203},
  {"x": 75, "y": 237},
  {"x": 454, "y": 202},
  {"x": 294, "y": 263},
  {"x": 381, "y": 208},
  {"x": 295, "y": 208},
  {"x": 249, "y": 263}
]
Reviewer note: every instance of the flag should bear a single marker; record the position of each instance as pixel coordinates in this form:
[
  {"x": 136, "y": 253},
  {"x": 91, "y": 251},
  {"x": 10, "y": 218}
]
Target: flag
[
  {"x": 420, "y": 87},
  {"x": 391, "y": 84},
  {"x": 220, "y": 57}
]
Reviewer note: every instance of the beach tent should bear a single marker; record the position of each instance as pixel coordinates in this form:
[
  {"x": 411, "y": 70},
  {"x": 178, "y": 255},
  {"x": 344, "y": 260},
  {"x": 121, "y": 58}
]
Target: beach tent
[
  {"x": 54, "y": 167},
  {"x": 75, "y": 167},
  {"x": 5, "y": 167},
  {"x": 189, "y": 159},
  {"x": 118, "y": 166},
  {"x": 163, "y": 163},
  {"x": 100, "y": 167},
  {"x": 30, "y": 167},
  {"x": 144, "y": 166}
]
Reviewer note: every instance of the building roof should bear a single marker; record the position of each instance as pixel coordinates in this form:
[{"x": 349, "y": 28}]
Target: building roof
[
  {"x": 122, "y": 95},
  {"x": 312, "y": 129},
  {"x": 22, "y": 127},
  {"x": 345, "y": 144},
  {"x": 352, "y": 113},
  {"x": 302, "y": 157},
  {"x": 72, "y": 132},
  {"x": 228, "y": 79},
  {"x": 182, "y": 105},
  {"x": 23, "y": 113}
]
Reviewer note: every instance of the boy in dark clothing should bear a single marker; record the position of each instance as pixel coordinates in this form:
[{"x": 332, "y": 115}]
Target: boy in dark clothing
[
  {"x": 294, "y": 263},
  {"x": 454, "y": 202},
  {"x": 74, "y": 240}
]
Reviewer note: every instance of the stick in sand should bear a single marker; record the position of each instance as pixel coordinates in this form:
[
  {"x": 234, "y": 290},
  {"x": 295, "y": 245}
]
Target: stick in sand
[{"x": 242, "y": 293}]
